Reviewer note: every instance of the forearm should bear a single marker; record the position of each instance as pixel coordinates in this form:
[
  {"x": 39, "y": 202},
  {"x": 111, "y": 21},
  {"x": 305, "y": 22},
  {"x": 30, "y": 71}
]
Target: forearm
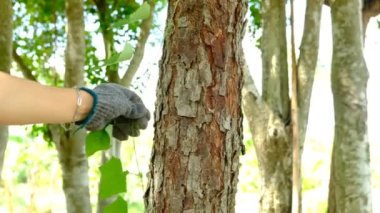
[{"x": 26, "y": 102}]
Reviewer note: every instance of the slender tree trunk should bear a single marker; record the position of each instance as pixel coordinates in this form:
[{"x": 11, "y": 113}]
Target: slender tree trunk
[
  {"x": 104, "y": 13},
  {"x": 198, "y": 120},
  {"x": 350, "y": 181},
  {"x": 70, "y": 145},
  {"x": 272, "y": 138},
  {"x": 6, "y": 26},
  {"x": 145, "y": 27},
  {"x": 370, "y": 8},
  {"x": 269, "y": 128}
]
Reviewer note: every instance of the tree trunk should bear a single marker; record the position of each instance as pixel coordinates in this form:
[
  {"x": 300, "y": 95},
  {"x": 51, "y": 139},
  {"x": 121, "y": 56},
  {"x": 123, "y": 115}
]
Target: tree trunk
[
  {"x": 104, "y": 13},
  {"x": 269, "y": 128},
  {"x": 138, "y": 55},
  {"x": 74, "y": 165},
  {"x": 307, "y": 62},
  {"x": 370, "y": 8},
  {"x": 350, "y": 181},
  {"x": 6, "y": 26},
  {"x": 198, "y": 119},
  {"x": 70, "y": 145},
  {"x": 272, "y": 138}
]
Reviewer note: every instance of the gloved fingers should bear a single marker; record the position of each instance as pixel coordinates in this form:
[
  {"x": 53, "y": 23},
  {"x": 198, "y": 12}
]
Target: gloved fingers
[
  {"x": 141, "y": 123},
  {"x": 122, "y": 131},
  {"x": 118, "y": 133},
  {"x": 138, "y": 111}
]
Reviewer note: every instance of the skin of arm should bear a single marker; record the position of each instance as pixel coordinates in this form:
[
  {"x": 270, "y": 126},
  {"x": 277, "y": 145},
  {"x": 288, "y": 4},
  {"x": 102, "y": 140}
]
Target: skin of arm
[{"x": 28, "y": 102}]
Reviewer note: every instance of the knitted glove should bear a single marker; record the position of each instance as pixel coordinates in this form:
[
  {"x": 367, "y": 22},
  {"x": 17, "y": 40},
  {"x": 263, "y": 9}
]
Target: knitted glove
[
  {"x": 115, "y": 104},
  {"x": 124, "y": 127}
]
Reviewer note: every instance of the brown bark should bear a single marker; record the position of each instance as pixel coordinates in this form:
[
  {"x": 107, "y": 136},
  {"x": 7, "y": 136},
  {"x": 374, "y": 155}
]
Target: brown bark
[
  {"x": 6, "y": 26},
  {"x": 350, "y": 180},
  {"x": 198, "y": 120}
]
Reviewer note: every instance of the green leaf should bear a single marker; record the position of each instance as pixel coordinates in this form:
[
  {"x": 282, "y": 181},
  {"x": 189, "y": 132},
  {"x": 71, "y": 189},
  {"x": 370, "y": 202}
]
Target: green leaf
[
  {"x": 126, "y": 53},
  {"x": 113, "y": 179},
  {"x": 120, "y": 205},
  {"x": 114, "y": 59},
  {"x": 120, "y": 23},
  {"x": 97, "y": 140},
  {"x": 141, "y": 13}
]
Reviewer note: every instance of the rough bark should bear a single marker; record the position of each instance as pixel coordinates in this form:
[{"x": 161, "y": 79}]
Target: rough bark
[
  {"x": 70, "y": 145},
  {"x": 6, "y": 26},
  {"x": 198, "y": 120},
  {"x": 350, "y": 181},
  {"x": 269, "y": 128},
  {"x": 138, "y": 55}
]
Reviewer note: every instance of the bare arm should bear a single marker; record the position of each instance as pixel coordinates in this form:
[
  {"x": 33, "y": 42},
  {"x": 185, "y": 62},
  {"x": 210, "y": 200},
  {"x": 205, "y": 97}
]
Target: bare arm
[{"x": 26, "y": 102}]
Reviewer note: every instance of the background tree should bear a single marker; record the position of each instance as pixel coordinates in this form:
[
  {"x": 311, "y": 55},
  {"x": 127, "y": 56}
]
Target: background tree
[
  {"x": 350, "y": 181},
  {"x": 369, "y": 8},
  {"x": 40, "y": 37},
  {"x": 70, "y": 146},
  {"x": 198, "y": 95},
  {"x": 6, "y": 26},
  {"x": 269, "y": 116}
]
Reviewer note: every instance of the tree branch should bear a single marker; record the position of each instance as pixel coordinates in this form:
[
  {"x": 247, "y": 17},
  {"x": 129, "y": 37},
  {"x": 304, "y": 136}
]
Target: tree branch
[
  {"x": 253, "y": 106},
  {"x": 307, "y": 62},
  {"x": 275, "y": 89},
  {"x": 145, "y": 28},
  {"x": 26, "y": 71}
]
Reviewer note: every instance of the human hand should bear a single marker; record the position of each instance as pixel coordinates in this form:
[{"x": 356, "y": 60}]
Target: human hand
[
  {"x": 124, "y": 127},
  {"x": 119, "y": 106}
]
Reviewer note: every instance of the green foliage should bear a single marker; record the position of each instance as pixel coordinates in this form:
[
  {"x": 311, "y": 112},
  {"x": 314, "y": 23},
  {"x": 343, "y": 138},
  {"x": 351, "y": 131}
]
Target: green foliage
[
  {"x": 113, "y": 178},
  {"x": 139, "y": 14},
  {"x": 124, "y": 55},
  {"x": 120, "y": 205},
  {"x": 96, "y": 141},
  {"x": 248, "y": 171},
  {"x": 41, "y": 130},
  {"x": 39, "y": 31},
  {"x": 255, "y": 13},
  {"x": 255, "y": 20},
  {"x": 93, "y": 72},
  {"x": 142, "y": 12},
  {"x": 135, "y": 207}
]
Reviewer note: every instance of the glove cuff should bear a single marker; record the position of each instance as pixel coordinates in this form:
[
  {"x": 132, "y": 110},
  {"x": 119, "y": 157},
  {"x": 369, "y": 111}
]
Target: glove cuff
[{"x": 91, "y": 114}]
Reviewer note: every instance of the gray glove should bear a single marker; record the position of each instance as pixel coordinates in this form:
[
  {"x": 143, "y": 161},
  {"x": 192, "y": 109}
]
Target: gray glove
[
  {"x": 116, "y": 105},
  {"x": 124, "y": 127}
]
